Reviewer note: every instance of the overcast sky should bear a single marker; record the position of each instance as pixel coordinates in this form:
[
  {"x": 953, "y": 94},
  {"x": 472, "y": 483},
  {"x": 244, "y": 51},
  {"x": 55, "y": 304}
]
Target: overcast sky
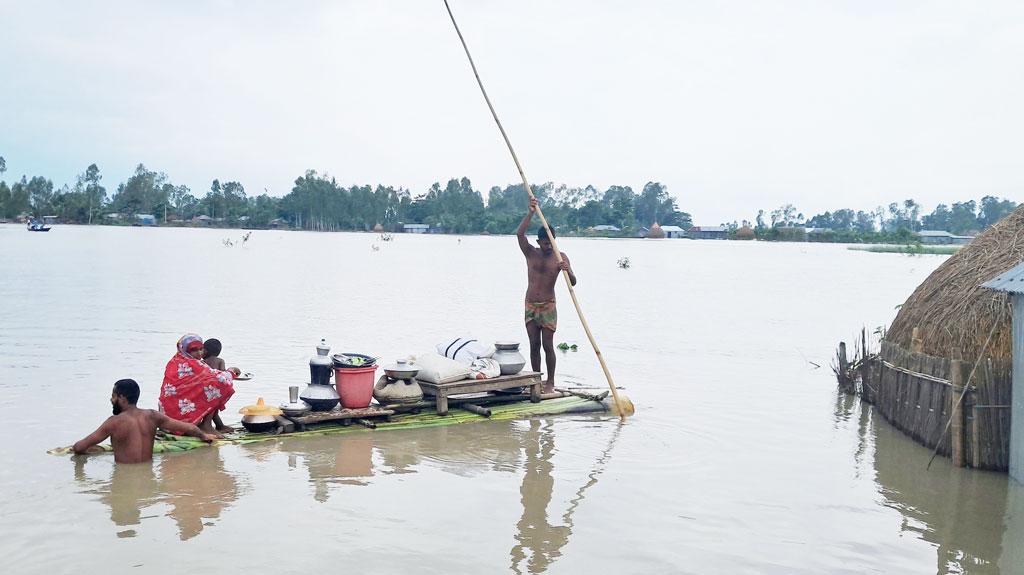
[{"x": 733, "y": 105}]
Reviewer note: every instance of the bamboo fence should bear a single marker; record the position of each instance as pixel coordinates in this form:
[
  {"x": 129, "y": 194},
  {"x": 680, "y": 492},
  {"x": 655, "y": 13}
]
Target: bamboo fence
[{"x": 917, "y": 393}]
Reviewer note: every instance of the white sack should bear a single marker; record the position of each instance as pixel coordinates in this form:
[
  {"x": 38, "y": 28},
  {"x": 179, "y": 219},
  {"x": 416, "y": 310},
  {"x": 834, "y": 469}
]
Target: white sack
[
  {"x": 436, "y": 369},
  {"x": 464, "y": 350}
]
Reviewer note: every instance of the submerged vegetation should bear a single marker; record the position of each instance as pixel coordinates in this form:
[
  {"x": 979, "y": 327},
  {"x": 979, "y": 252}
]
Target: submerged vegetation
[{"x": 911, "y": 249}]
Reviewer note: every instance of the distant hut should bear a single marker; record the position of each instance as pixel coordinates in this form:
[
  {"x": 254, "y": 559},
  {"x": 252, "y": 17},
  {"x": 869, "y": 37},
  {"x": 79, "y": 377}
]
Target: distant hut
[
  {"x": 656, "y": 233},
  {"x": 378, "y": 228},
  {"x": 948, "y": 328}
]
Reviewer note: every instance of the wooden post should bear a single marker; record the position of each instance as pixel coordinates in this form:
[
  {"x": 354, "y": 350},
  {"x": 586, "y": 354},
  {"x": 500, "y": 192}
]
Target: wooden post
[
  {"x": 916, "y": 343},
  {"x": 956, "y": 429},
  {"x": 1016, "y": 440},
  {"x": 975, "y": 441}
]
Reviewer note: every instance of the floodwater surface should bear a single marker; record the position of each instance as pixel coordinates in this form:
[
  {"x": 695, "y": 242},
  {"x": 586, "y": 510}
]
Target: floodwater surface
[{"x": 741, "y": 457}]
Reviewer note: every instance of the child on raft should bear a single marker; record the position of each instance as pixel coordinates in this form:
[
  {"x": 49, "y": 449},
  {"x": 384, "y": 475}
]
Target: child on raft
[{"x": 211, "y": 357}]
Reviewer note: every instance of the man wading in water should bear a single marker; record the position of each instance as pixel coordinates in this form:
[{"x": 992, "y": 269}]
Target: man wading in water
[
  {"x": 543, "y": 270},
  {"x": 131, "y": 430}
]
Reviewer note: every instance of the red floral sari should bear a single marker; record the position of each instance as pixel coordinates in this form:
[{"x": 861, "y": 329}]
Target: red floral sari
[{"x": 191, "y": 389}]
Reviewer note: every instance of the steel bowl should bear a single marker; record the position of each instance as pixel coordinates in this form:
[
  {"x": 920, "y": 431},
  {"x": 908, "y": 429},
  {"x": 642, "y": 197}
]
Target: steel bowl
[
  {"x": 342, "y": 360},
  {"x": 320, "y": 397}
]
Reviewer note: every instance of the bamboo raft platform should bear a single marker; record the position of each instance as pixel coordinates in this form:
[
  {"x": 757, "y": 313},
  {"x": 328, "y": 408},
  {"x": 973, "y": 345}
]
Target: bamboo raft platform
[{"x": 404, "y": 417}]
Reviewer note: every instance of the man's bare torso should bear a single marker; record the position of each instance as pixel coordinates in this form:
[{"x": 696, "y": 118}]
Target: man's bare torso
[
  {"x": 542, "y": 273},
  {"x": 131, "y": 435}
]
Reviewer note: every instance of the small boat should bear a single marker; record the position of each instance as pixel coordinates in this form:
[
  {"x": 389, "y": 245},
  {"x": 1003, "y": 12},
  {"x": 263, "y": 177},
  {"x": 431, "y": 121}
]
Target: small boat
[{"x": 38, "y": 227}]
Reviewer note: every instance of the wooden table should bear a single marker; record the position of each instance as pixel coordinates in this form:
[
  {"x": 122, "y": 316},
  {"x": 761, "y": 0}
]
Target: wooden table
[{"x": 441, "y": 391}]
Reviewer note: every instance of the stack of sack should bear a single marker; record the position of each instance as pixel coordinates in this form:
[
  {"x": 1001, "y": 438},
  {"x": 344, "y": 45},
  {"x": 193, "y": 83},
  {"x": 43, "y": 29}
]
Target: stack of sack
[{"x": 456, "y": 359}]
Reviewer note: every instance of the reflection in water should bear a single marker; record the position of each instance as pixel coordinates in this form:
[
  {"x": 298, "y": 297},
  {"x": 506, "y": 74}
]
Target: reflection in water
[
  {"x": 131, "y": 489},
  {"x": 335, "y": 461},
  {"x": 329, "y": 460},
  {"x": 534, "y": 532},
  {"x": 194, "y": 485},
  {"x": 960, "y": 511}
]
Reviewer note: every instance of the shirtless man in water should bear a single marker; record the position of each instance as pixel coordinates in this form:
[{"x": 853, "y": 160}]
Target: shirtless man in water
[
  {"x": 131, "y": 430},
  {"x": 543, "y": 270}
]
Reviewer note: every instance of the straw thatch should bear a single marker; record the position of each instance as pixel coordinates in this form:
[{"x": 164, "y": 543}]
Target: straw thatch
[
  {"x": 953, "y": 313},
  {"x": 656, "y": 232}
]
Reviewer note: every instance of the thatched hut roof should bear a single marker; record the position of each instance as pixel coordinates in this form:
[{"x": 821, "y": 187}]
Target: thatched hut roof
[
  {"x": 656, "y": 232},
  {"x": 954, "y": 313}
]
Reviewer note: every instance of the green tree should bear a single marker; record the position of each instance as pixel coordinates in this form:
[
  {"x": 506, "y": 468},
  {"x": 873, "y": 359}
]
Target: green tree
[
  {"x": 95, "y": 194},
  {"x": 142, "y": 193},
  {"x": 992, "y": 210},
  {"x": 5, "y": 199},
  {"x": 939, "y": 219},
  {"x": 963, "y": 217},
  {"x": 19, "y": 202},
  {"x": 40, "y": 194}
]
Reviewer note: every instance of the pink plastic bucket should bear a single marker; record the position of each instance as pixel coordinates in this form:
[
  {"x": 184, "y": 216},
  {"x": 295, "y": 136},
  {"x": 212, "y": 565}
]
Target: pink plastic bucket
[{"x": 355, "y": 385}]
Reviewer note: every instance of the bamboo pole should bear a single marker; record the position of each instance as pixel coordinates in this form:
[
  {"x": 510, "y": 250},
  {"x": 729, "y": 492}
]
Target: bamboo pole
[
  {"x": 526, "y": 184},
  {"x": 956, "y": 416}
]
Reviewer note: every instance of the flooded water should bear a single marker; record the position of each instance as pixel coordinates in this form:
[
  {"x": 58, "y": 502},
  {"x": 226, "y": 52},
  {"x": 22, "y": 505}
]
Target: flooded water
[{"x": 741, "y": 457}]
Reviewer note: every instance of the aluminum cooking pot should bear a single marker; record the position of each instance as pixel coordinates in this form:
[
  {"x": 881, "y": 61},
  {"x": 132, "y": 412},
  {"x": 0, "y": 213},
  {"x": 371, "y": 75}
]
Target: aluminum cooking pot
[{"x": 259, "y": 423}]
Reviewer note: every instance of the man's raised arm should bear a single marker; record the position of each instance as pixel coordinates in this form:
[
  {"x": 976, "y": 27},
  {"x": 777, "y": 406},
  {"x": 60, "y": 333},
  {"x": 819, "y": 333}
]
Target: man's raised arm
[{"x": 524, "y": 244}]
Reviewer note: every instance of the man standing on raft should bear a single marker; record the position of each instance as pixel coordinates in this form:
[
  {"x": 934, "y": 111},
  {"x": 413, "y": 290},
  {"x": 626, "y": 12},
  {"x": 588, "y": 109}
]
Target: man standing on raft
[{"x": 543, "y": 270}]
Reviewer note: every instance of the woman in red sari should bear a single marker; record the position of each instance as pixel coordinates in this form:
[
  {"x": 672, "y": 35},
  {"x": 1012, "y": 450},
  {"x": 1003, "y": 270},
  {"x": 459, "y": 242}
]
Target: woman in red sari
[{"x": 193, "y": 391}]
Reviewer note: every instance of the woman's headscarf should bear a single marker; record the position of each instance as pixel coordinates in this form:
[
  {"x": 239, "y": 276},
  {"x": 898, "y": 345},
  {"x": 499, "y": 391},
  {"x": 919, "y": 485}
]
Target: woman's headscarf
[{"x": 187, "y": 340}]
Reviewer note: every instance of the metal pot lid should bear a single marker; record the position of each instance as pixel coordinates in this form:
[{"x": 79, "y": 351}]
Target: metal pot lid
[
  {"x": 260, "y": 408},
  {"x": 294, "y": 406},
  {"x": 323, "y": 348},
  {"x": 507, "y": 345}
]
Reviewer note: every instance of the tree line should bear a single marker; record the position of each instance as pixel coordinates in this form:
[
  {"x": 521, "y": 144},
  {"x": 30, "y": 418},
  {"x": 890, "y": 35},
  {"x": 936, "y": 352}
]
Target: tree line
[
  {"x": 898, "y": 222},
  {"x": 318, "y": 202}
]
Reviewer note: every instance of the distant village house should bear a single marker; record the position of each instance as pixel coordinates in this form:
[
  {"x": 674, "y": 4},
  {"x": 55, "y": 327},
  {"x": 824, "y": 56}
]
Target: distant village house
[
  {"x": 415, "y": 228},
  {"x": 707, "y": 232},
  {"x": 673, "y": 231},
  {"x": 941, "y": 237}
]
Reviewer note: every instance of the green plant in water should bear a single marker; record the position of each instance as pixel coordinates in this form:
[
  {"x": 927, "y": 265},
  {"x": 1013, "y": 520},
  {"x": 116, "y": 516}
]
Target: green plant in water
[{"x": 567, "y": 347}]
